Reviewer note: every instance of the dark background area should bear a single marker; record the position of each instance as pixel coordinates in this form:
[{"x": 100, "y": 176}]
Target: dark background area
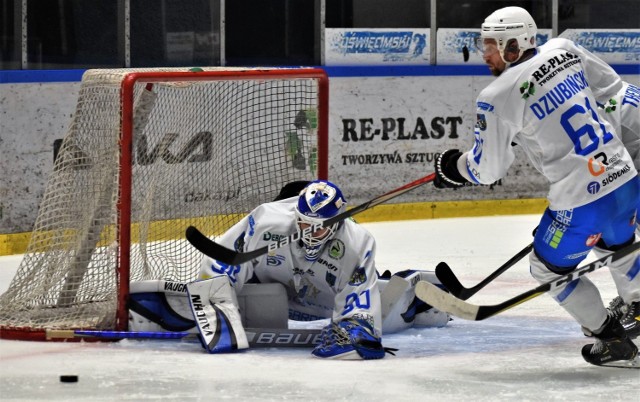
[{"x": 90, "y": 33}]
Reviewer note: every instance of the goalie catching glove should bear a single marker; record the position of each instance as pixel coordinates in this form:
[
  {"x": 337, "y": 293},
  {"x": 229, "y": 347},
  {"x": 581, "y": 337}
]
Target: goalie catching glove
[
  {"x": 350, "y": 339},
  {"x": 447, "y": 174}
]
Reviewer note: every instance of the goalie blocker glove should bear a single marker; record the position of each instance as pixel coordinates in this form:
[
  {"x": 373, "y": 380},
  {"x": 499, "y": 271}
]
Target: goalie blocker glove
[
  {"x": 350, "y": 339},
  {"x": 447, "y": 174}
]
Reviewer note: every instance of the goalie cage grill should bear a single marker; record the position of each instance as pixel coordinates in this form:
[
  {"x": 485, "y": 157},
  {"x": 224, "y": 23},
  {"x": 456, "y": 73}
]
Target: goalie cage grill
[{"x": 148, "y": 153}]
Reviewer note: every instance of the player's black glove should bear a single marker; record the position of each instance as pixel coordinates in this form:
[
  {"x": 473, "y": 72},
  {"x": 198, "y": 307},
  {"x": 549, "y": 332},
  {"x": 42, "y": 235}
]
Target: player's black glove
[{"x": 447, "y": 174}]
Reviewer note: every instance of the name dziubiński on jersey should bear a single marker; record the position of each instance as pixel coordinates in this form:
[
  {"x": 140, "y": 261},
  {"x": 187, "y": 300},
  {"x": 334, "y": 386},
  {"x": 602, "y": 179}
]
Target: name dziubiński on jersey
[{"x": 559, "y": 94}]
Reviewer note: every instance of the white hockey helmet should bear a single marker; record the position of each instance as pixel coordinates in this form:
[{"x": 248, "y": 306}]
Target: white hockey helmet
[
  {"x": 318, "y": 201},
  {"x": 513, "y": 29}
]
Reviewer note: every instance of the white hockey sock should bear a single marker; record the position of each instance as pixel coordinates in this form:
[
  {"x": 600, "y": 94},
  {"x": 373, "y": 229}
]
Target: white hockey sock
[
  {"x": 580, "y": 298},
  {"x": 625, "y": 273}
]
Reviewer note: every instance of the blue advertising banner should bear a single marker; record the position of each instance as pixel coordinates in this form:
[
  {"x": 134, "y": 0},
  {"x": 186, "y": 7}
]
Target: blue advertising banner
[
  {"x": 615, "y": 46},
  {"x": 457, "y": 45},
  {"x": 376, "y": 46}
]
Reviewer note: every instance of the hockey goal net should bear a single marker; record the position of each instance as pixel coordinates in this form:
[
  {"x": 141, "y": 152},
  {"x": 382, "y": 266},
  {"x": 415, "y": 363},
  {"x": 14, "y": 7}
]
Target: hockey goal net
[{"x": 148, "y": 153}]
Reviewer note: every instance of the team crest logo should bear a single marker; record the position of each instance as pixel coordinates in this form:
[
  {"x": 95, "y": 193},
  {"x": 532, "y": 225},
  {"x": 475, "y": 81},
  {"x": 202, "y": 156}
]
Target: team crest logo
[
  {"x": 481, "y": 121},
  {"x": 302, "y": 293},
  {"x": 238, "y": 245},
  {"x": 527, "y": 89},
  {"x": 610, "y": 106},
  {"x": 359, "y": 277},
  {"x": 336, "y": 249},
  {"x": 275, "y": 260}
]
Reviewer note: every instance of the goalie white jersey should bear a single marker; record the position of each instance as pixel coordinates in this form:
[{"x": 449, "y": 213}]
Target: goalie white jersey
[
  {"x": 547, "y": 105},
  {"x": 340, "y": 283}
]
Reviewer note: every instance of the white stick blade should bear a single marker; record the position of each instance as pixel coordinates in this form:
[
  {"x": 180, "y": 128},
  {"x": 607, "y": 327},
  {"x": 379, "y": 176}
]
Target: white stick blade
[{"x": 443, "y": 301}]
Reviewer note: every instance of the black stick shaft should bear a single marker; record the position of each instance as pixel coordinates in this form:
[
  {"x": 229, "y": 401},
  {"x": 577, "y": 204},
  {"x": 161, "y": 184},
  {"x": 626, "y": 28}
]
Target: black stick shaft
[
  {"x": 223, "y": 254},
  {"x": 450, "y": 281},
  {"x": 444, "y": 301}
]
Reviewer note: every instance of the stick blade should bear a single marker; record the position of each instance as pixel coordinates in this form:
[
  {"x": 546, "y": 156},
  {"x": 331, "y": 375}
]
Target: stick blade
[
  {"x": 443, "y": 301},
  {"x": 214, "y": 250},
  {"x": 449, "y": 280}
]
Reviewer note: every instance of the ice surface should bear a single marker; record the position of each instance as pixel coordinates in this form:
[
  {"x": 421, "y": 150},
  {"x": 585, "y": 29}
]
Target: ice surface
[{"x": 528, "y": 353}]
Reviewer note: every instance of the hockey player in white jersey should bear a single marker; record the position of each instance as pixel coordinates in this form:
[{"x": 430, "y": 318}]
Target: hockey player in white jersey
[
  {"x": 329, "y": 274},
  {"x": 623, "y": 112},
  {"x": 545, "y": 100}
]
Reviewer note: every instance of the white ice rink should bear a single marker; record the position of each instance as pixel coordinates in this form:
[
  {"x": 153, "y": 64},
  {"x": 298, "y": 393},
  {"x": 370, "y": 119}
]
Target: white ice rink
[{"x": 528, "y": 353}]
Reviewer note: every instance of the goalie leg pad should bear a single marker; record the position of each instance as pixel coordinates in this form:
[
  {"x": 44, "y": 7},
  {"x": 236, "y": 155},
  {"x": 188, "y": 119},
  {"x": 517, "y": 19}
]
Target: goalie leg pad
[
  {"x": 158, "y": 305},
  {"x": 401, "y": 309},
  {"x": 264, "y": 305},
  {"x": 214, "y": 306}
]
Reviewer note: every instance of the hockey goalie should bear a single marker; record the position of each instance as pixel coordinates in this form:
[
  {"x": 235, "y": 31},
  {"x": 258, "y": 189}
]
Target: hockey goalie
[{"x": 329, "y": 275}]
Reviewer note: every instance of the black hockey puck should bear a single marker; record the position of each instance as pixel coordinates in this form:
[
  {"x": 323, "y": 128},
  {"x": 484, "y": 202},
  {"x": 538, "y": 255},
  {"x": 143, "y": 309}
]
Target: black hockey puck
[
  {"x": 465, "y": 54},
  {"x": 68, "y": 378}
]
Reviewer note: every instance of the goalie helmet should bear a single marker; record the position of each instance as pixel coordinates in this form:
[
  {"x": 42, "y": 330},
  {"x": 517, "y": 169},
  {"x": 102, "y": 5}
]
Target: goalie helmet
[
  {"x": 318, "y": 201},
  {"x": 513, "y": 30}
]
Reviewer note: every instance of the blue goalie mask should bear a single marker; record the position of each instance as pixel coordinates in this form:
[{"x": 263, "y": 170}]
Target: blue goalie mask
[{"x": 318, "y": 201}]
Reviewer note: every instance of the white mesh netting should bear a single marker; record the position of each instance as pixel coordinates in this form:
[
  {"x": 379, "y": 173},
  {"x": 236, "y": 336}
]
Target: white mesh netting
[{"x": 204, "y": 153}]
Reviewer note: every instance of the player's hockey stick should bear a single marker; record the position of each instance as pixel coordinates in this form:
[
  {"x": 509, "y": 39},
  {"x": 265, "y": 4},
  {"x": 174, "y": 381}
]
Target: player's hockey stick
[
  {"x": 223, "y": 254},
  {"x": 257, "y": 337},
  {"x": 453, "y": 285},
  {"x": 443, "y": 301}
]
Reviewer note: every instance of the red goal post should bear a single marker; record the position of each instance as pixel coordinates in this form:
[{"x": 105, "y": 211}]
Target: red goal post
[{"x": 148, "y": 153}]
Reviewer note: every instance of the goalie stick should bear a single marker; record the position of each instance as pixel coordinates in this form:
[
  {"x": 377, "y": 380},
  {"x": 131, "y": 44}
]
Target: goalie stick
[
  {"x": 257, "y": 337},
  {"x": 450, "y": 281},
  {"x": 232, "y": 257},
  {"x": 444, "y": 301}
]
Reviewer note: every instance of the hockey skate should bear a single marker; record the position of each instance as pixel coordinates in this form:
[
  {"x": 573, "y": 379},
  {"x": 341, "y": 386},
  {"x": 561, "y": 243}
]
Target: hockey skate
[
  {"x": 617, "y": 308},
  {"x": 612, "y": 348},
  {"x": 627, "y": 314},
  {"x": 631, "y": 320}
]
